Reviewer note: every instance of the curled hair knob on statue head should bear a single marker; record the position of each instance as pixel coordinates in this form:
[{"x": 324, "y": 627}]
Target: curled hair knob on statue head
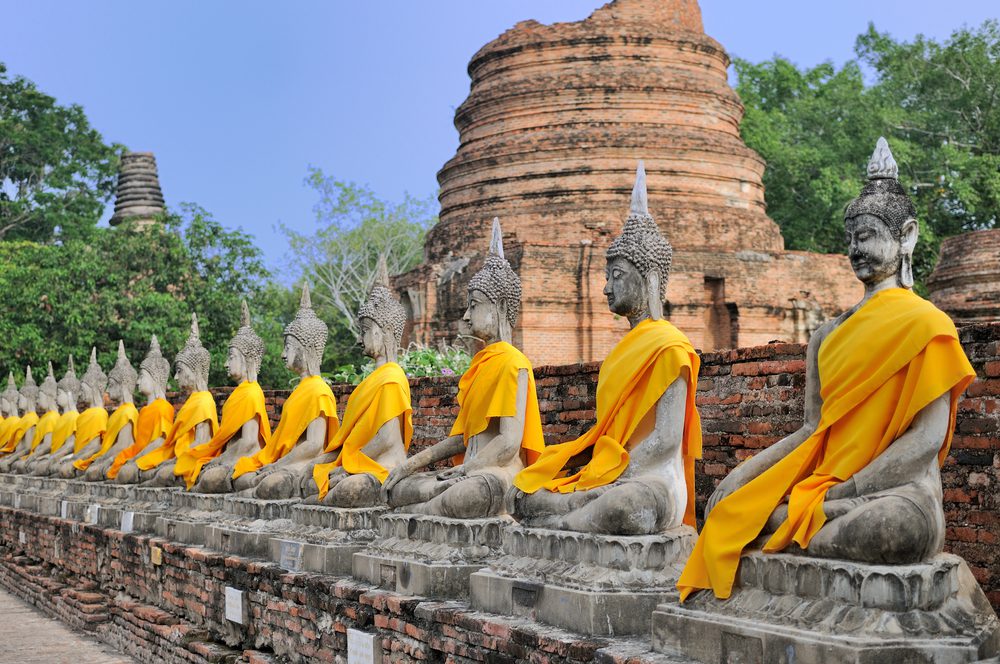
[
  {"x": 29, "y": 389},
  {"x": 123, "y": 373},
  {"x": 69, "y": 383},
  {"x": 381, "y": 306},
  {"x": 246, "y": 340},
  {"x": 94, "y": 377},
  {"x": 497, "y": 279},
  {"x": 49, "y": 386},
  {"x": 195, "y": 356},
  {"x": 307, "y": 328},
  {"x": 157, "y": 366},
  {"x": 11, "y": 394}
]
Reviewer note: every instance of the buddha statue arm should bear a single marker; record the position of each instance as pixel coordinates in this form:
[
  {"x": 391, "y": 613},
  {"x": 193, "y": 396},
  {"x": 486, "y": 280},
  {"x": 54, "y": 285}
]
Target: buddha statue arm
[
  {"x": 308, "y": 448},
  {"x": 125, "y": 437},
  {"x": 202, "y": 433},
  {"x": 387, "y": 440},
  {"x": 444, "y": 449},
  {"x": 506, "y": 445}
]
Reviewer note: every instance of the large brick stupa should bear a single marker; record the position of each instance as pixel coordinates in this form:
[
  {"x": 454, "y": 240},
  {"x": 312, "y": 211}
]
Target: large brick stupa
[
  {"x": 555, "y": 122},
  {"x": 966, "y": 280}
]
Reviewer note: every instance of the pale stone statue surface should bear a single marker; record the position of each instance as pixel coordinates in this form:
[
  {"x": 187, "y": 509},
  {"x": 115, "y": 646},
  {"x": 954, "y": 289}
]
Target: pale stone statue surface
[
  {"x": 26, "y": 403},
  {"x": 305, "y": 342},
  {"x": 246, "y": 352},
  {"x": 44, "y": 462},
  {"x": 650, "y": 495},
  {"x": 475, "y": 488},
  {"x": 122, "y": 381},
  {"x": 48, "y": 401},
  {"x": 93, "y": 384}
]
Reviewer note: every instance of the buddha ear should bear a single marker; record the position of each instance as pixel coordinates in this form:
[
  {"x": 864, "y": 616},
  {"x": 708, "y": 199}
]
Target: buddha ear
[
  {"x": 503, "y": 322},
  {"x": 907, "y": 243},
  {"x": 653, "y": 295}
]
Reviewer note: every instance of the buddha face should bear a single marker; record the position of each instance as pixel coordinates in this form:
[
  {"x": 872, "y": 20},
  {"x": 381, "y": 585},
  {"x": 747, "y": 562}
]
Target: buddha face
[
  {"x": 873, "y": 250},
  {"x": 625, "y": 289},
  {"x": 294, "y": 355},
  {"x": 115, "y": 391},
  {"x": 22, "y": 402},
  {"x": 147, "y": 385},
  {"x": 373, "y": 338},
  {"x": 6, "y": 407},
  {"x": 185, "y": 377},
  {"x": 64, "y": 400},
  {"x": 482, "y": 317},
  {"x": 236, "y": 364}
]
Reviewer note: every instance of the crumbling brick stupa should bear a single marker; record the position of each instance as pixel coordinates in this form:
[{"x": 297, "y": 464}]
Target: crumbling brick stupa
[
  {"x": 138, "y": 197},
  {"x": 966, "y": 280},
  {"x": 556, "y": 118}
]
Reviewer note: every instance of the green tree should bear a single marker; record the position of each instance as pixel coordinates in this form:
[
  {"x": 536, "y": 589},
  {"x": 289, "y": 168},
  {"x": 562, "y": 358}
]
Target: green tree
[
  {"x": 340, "y": 259},
  {"x": 56, "y": 172}
]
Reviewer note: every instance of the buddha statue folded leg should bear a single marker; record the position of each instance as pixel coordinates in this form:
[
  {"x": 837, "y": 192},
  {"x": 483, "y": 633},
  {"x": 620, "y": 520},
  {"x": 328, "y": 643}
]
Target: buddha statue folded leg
[
  {"x": 476, "y": 496},
  {"x": 354, "y": 491}
]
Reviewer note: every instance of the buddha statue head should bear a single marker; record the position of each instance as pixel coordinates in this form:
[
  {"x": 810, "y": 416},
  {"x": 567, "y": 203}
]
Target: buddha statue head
[
  {"x": 881, "y": 225},
  {"x": 122, "y": 377},
  {"x": 494, "y": 295},
  {"x": 154, "y": 372},
  {"x": 28, "y": 400},
  {"x": 48, "y": 393},
  {"x": 382, "y": 318},
  {"x": 638, "y": 262},
  {"x": 246, "y": 350},
  {"x": 10, "y": 397},
  {"x": 305, "y": 339},
  {"x": 192, "y": 362},
  {"x": 94, "y": 382},
  {"x": 69, "y": 388}
]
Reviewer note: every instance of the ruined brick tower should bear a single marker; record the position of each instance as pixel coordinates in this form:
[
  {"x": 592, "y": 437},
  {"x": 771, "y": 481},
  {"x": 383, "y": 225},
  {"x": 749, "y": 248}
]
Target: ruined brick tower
[
  {"x": 138, "y": 197},
  {"x": 966, "y": 280},
  {"x": 555, "y": 121}
]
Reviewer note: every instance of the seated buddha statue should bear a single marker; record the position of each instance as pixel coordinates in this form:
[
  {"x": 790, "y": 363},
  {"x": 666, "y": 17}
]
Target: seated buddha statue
[
  {"x": 378, "y": 423},
  {"x": 244, "y": 428},
  {"x": 155, "y": 418},
  {"x": 632, "y": 473},
  {"x": 194, "y": 424},
  {"x": 63, "y": 436},
  {"x": 90, "y": 425},
  {"x": 498, "y": 429},
  {"x": 8, "y": 405},
  {"x": 860, "y": 480},
  {"x": 23, "y": 432},
  {"x": 121, "y": 425},
  {"x": 308, "y": 417},
  {"x": 48, "y": 395}
]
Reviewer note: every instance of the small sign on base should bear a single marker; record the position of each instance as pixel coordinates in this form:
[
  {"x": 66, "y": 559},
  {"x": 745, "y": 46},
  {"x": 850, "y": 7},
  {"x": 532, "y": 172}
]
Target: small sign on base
[
  {"x": 64, "y": 509},
  {"x": 234, "y": 605},
  {"x": 363, "y": 648},
  {"x": 92, "y": 511},
  {"x": 21, "y": 537},
  {"x": 155, "y": 555},
  {"x": 127, "y": 524},
  {"x": 17, "y": 501},
  {"x": 291, "y": 555}
]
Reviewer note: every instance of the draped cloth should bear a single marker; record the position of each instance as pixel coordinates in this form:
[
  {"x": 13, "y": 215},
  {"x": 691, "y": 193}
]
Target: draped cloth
[
  {"x": 6, "y": 426},
  {"x": 488, "y": 389},
  {"x": 895, "y": 355},
  {"x": 46, "y": 425},
  {"x": 381, "y": 397},
  {"x": 199, "y": 407},
  {"x": 18, "y": 430},
  {"x": 91, "y": 424},
  {"x": 124, "y": 415},
  {"x": 154, "y": 421},
  {"x": 311, "y": 398},
  {"x": 65, "y": 427},
  {"x": 633, "y": 377},
  {"x": 245, "y": 403}
]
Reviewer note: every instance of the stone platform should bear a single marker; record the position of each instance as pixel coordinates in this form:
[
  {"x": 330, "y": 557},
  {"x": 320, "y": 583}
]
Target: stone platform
[
  {"x": 249, "y": 524},
  {"x": 325, "y": 539},
  {"x": 190, "y": 515},
  {"x": 429, "y": 556},
  {"x": 789, "y": 608},
  {"x": 600, "y": 585}
]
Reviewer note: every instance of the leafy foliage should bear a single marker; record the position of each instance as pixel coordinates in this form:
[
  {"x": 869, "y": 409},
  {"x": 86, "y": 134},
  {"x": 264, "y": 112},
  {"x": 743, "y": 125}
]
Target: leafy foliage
[{"x": 416, "y": 361}]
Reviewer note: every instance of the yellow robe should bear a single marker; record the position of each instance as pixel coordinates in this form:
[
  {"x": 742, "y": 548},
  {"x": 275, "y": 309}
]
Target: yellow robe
[
  {"x": 46, "y": 425},
  {"x": 125, "y": 414},
  {"x": 91, "y": 424},
  {"x": 488, "y": 389},
  {"x": 894, "y": 356},
  {"x": 633, "y": 377},
  {"x": 6, "y": 426},
  {"x": 154, "y": 421},
  {"x": 311, "y": 398},
  {"x": 199, "y": 407},
  {"x": 65, "y": 427},
  {"x": 245, "y": 403},
  {"x": 17, "y": 432},
  {"x": 381, "y": 397}
]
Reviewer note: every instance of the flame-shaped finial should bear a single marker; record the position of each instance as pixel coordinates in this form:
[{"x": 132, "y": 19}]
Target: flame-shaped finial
[
  {"x": 27, "y": 375},
  {"x": 496, "y": 241},
  {"x": 51, "y": 374},
  {"x": 382, "y": 273},
  {"x": 154, "y": 346},
  {"x": 305, "y": 302},
  {"x": 195, "y": 332},
  {"x": 882, "y": 165},
  {"x": 244, "y": 313},
  {"x": 121, "y": 350},
  {"x": 640, "y": 201}
]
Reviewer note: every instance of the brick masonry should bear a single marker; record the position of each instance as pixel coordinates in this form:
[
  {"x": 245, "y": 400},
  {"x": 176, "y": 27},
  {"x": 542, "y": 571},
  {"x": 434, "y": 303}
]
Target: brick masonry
[
  {"x": 966, "y": 279},
  {"x": 104, "y": 581}
]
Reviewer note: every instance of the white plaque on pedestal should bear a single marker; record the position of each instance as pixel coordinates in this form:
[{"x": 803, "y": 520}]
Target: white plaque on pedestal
[
  {"x": 21, "y": 537},
  {"x": 363, "y": 648},
  {"x": 127, "y": 522},
  {"x": 291, "y": 555},
  {"x": 92, "y": 511},
  {"x": 17, "y": 501},
  {"x": 64, "y": 509},
  {"x": 234, "y": 605}
]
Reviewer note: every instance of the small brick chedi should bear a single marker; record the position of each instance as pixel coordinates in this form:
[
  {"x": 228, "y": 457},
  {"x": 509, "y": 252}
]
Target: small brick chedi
[
  {"x": 966, "y": 281},
  {"x": 138, "y": 197},
  {"x": 555, "y": 118}
]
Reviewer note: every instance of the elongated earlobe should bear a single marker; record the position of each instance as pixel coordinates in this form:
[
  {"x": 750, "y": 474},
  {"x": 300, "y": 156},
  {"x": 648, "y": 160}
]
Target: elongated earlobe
[{"x": 653, "y": 295}]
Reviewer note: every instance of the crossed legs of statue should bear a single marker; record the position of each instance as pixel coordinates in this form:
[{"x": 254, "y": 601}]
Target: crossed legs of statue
[
  {"x": 476, "y": 496},
  {"x": 346, "y": 491}
]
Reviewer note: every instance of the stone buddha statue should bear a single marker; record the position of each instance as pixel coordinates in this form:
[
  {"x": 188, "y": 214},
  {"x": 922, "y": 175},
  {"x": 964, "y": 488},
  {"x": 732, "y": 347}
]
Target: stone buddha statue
[
  {"x": 23, "y": 433},
  {"x": 378, "y": 424},
  {"x": 245, "y": 427},
  {"x": 48, "y": 406},
  {"x": 61, "y": 444},
  {"x": 194, "y": 424},
  {"x": 498, "y": 428},
  {"x": 8, "y": 404},
  {"x": 860, "y": 480},
  {"x": 156, "y": 417},
  {"x": 121, "y": 425},
  {"x": 308, "y": 417},
  {"x": 91, "y": 424},
  {"x": 632, "y": 473}
]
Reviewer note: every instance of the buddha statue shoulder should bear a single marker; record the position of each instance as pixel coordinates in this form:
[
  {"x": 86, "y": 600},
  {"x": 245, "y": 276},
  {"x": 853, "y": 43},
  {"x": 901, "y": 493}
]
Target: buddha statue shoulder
[
  {"x": 244, "y": 429},
  {"x": 62, "y": 442},
  {"x": 375, "y": 433},
  {"x": 860, "y": 480},
  {"x": 632, "y": 473},
  {"x": 498, "y": 428},
  {"x": 22, "y": 434},
  {"x": 93, "y": 421},
  {"x": 120, "y": 433},
  {"x": 8, "y": 404},
  {"x": 47, "y": 405}
]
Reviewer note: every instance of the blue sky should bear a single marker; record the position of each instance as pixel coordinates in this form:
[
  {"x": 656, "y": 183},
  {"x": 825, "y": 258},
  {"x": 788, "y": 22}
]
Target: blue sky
[{"x": 237, "y": 99}]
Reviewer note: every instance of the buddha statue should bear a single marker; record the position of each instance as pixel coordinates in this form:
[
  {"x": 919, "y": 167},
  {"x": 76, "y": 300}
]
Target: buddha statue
[
  {"x": 194, "y": 424},
  {"x": 23, "y": 433},
  {"x": 61, "y": 444},
  {"x": 92, "y": 423},
  {"x": 48, "y": 405},
  {"x": 378, "y": 423},
  {"x": 632, "y": 473},
  {"x": 156, "y": 417},
  {"x": 498, "y": 429},
  {"x": 860, "y": 480},
  {"x": 121, "y": 425},
  {"x": 308, "y": 417},
  {"x": 8, "y": 404},
  {"x": 245, "y": 427}
]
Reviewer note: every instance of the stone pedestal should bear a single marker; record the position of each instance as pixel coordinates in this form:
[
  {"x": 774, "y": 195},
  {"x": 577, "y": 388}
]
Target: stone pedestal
[
  {"x": 789, "y": 608},
  {"x": 190, "y": 515},
  {"x": 430, "y": 556},
  {"x": 137, "y": 508},
  {"x": 325, "y": 539},
  {"x": 600, "y": 585},
  {"x": 249, "y": 526}
]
